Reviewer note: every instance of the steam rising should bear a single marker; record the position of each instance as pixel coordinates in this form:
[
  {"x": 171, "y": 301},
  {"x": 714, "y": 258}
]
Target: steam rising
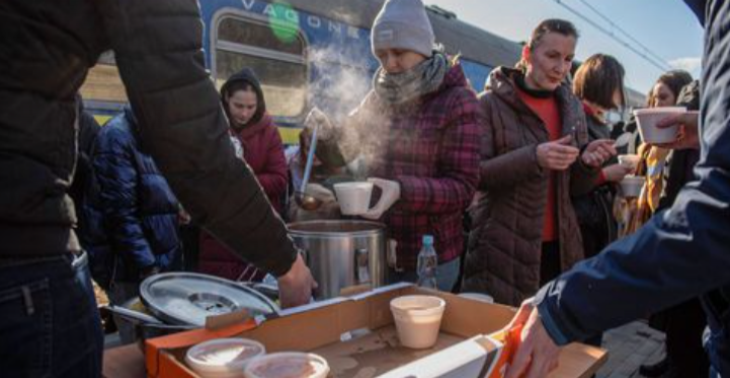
[{"x": 340, "y": 90}]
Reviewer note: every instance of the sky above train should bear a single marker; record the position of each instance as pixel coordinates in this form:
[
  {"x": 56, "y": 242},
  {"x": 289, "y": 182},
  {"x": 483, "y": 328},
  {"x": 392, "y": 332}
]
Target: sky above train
[{"x": 666, "y": 32}]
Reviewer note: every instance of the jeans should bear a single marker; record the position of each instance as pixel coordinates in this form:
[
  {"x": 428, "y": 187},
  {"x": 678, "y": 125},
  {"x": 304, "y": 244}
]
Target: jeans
[
  {"x": 713, "y": 373},
  {"x": 49, "y": 322},
  {"x": 446, "y": 275}
]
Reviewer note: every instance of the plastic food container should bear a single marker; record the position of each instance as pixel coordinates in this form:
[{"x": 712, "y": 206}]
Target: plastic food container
[
  {"x": 418, "y": 319},
  {"x": 288, "y": 365},
  {"x": 647, "y": 120},
  {"x": 631, "y": 186},
  {"x": 223, "y": 358}
]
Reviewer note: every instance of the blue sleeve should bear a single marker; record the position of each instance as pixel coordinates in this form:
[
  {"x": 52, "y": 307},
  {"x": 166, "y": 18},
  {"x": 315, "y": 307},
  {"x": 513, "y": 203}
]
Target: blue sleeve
[
  {"x": 117, "y": 178},
  {"x": 679, "y": 254}
]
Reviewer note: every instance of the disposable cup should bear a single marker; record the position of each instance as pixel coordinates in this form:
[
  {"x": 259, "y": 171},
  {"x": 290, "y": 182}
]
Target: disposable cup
[
  {"x": 631, "y": 186},
  {"x": 354, "y": 197},
  {"x": 223, "y": 358},
  {"x": 418, "y": 319},
  {"x": 647, "y": 119}
]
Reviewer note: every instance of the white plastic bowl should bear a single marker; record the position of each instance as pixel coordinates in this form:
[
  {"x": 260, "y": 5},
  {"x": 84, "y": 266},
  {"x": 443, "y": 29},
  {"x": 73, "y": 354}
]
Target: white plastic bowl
[
  {"x": 223, "y": 358},
  {"x": 631, "y": 186},
  {"x": 354, "y": 197},
  {"x": 418, "y": 319},
  {"x": 647, "y": 120},
  {"x": 288, "y": 365}
]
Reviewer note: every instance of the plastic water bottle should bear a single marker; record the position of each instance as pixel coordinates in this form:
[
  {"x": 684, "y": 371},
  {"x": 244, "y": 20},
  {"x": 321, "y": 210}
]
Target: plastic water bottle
[{"x": 427, "y": 264}]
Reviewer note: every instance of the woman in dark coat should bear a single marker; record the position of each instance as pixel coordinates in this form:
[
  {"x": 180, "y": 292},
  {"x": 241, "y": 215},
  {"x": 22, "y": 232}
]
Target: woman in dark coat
[{"x": 535, "y": 155}]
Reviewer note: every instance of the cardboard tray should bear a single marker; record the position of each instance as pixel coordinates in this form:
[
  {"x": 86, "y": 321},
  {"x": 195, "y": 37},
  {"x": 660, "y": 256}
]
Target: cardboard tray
[{"x": 357, "y": 337}]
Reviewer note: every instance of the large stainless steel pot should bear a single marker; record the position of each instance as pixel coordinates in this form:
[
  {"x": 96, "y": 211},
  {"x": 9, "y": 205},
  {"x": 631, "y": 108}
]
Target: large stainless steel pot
[{"x": 342, "y": 253}]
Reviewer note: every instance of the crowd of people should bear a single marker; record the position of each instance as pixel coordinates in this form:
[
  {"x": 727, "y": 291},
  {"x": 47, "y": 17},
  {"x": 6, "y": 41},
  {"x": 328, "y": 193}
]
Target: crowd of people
[{"x": 518, "y": 184}]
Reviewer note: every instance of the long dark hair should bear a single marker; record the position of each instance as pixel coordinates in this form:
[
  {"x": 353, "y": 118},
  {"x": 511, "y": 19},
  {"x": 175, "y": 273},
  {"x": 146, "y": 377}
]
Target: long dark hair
[{"x": 675, "y": 80}]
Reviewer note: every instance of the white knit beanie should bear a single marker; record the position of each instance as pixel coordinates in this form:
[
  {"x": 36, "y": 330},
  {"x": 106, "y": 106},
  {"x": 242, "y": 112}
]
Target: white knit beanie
[{"x": 403, "y": 24}]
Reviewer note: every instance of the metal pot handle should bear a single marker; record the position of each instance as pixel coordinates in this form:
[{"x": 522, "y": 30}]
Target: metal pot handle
[
  {"x": 134, "y": 316},
  {"x": 362, "y": 266}
]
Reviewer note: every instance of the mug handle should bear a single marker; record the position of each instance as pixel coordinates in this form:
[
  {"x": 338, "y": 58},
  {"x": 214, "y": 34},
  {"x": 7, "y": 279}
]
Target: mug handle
[{"x": 380, "y": 200}]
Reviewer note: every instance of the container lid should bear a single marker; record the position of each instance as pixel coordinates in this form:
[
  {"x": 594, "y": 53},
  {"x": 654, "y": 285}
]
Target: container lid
[
  {"x": 428, "y": 240},
  {"x": 288, "y": 365},
  {"x": 189, "y": 298},
  {"x": 223, "y": 355}
]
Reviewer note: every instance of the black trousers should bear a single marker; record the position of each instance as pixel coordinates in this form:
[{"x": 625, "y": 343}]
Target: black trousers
[
  {"x": 549, "y": 262},
  {"x": 550, "y": 269},
  {"x": 684, "y": 325}
]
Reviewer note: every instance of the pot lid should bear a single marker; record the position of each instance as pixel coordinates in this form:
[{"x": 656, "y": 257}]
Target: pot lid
[{"x": 189, "y": 298}]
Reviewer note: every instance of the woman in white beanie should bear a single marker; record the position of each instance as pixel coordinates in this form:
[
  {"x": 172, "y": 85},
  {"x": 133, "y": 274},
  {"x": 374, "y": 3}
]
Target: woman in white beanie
[{"x": 417, "y": 133}]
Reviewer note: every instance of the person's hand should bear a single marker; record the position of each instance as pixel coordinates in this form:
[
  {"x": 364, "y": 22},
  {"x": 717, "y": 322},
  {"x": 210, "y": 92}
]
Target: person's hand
[
  {"x": 598, "y": 152},
  {"x": 295, "y": 287},
  {"x": 616, "y": 172},
  {"x": 537, "y": 354},
  {"x": 688, "y": 131},
  {"x": 183, "y": 217},
  {"x": 557, "y": 155},
  {"x": 320, "y": 192},
  {"x": 316, "y": 119},
  {"x": 389, "y": 196}
]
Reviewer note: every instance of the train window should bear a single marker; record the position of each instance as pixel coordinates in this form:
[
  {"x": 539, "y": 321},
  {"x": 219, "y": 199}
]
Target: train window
[
  {"x": 103, "y": 82},
  {"x": 276, "y": 55}
]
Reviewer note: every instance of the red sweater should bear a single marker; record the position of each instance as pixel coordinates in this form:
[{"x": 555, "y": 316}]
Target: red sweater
[{"x": 548, "y": 111}]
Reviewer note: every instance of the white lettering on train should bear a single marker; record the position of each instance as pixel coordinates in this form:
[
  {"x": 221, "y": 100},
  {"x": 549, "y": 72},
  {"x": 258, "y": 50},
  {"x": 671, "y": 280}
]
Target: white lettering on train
[{"x": 314, "y": 22}]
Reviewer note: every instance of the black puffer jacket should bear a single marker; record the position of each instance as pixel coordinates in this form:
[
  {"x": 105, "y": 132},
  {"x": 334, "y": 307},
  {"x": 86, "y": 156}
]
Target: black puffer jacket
[{"x": 46, "y": 49}]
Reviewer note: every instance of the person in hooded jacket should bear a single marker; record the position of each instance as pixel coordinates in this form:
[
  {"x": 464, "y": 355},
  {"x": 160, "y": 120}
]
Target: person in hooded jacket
[
  {"x": 253, "y": 129},
  {"x": 417, "y": 134},
  {"x": 535, "y": 155},
  {"x": 131, "y": 215}
]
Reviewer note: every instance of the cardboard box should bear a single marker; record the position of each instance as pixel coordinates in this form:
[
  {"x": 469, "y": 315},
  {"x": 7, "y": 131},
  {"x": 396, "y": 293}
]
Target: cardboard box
[{"x": 357, "y": 337}]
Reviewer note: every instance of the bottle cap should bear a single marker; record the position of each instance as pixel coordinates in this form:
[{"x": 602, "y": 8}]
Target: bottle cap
[{"x": 427, "y": 240}]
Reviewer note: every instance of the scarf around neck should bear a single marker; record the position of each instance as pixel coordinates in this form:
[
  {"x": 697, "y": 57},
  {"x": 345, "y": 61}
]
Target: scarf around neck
[{"x": 400, "y": 88}]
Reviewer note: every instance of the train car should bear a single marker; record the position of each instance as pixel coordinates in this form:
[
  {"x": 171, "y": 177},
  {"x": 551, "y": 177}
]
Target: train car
[{"x": 306, "y": 53}]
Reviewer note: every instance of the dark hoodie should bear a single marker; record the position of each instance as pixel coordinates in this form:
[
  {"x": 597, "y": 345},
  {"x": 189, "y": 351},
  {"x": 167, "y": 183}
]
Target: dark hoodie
[
  {"x": 236, "y": 82},
  {"x": 263, "y": 150}
]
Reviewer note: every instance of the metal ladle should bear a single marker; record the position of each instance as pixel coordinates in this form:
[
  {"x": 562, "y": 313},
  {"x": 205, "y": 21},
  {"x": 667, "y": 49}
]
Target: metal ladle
[{"x": 304, "y": 200}]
